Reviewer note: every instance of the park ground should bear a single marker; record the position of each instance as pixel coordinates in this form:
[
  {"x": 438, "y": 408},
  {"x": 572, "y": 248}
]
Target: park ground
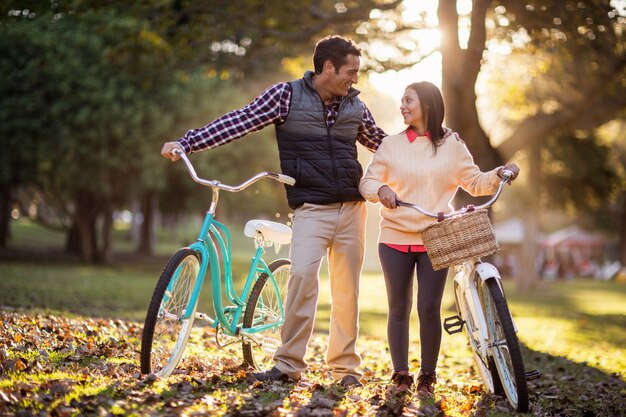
[{"x": 70, "y": 335}]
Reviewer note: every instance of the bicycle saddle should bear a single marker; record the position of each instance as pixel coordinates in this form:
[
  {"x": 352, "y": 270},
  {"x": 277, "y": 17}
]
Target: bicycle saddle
[{"x": 272, "y": 231}]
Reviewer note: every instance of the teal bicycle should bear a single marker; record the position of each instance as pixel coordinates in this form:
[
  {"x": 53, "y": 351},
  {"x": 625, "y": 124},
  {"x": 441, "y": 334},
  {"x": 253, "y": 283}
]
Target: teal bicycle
[{"x": 255, "y": 316}]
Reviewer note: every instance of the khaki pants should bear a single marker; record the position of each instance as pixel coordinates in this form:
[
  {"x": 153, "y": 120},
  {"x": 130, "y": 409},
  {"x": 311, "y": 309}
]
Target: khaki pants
[{"x": 336, "y": 230}]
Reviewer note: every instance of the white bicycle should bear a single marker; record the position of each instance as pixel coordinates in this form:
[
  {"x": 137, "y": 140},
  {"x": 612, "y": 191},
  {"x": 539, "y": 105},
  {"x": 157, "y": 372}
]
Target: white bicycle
[{"x": 458, "y": 240}]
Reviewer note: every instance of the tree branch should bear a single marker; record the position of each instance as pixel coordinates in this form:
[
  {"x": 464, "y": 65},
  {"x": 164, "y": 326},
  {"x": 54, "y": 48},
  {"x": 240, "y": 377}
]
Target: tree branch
[{"x": 586, "y": 114}]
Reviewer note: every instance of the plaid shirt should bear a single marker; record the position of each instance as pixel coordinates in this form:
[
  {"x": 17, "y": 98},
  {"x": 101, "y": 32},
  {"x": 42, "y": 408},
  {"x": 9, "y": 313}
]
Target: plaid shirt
[{"x": 270, "y": 107}]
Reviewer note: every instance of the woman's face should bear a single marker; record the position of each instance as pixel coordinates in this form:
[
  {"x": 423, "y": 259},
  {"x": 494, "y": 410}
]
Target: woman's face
[{"x": 411, "y": 109}]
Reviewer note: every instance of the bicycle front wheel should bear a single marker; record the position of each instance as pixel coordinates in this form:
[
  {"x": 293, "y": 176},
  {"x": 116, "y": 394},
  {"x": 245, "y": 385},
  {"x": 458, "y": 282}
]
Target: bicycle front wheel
[
  {"x": 507, "y": 355},
  {"x": 264, "y": 316},
  {"x": 167, "y": 327},
  {"x": 471, "y": 329}
]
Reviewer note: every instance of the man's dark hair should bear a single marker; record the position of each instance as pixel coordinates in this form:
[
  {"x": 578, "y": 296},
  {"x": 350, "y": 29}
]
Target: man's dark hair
[{"x": 334, "y": 49}]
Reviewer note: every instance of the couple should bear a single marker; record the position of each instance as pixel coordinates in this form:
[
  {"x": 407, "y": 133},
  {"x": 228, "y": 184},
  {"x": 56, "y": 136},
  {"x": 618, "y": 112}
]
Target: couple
[{"x": 318, "y": 120}]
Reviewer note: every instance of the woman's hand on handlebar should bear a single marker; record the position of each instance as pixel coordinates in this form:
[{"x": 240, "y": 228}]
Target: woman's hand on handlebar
[
  {"x": 387, "y": 197},
  {"x": 168, "y": 148},
  {"x": 514, "y": 169}
]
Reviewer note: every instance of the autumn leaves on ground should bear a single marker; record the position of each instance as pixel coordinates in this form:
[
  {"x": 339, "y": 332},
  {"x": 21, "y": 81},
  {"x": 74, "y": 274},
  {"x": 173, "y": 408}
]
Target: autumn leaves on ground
[{"x": 56, "y": 366}]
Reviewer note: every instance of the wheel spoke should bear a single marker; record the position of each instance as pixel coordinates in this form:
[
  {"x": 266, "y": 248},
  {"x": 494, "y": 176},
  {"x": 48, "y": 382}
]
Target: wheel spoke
[
  {"x": 167, "y": 326},
  {"x": 474, "y": 339},
  {"x": 504, "y": 345},
  {"x": 264, "y": 316}
]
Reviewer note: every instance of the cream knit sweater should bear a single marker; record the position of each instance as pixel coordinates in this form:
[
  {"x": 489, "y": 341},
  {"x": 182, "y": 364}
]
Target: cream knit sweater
[{"x": 418, "y": 176}]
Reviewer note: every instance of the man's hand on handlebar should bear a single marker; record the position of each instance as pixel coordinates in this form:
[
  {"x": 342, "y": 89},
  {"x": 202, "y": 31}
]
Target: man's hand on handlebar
[
  {"x": 168, "y": 148},
  {"x": 514, "y": 169},
  {"x": 387, "y": 197}
]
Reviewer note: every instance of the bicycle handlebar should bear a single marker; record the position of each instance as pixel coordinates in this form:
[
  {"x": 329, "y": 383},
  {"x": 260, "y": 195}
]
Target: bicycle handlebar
[
  {"x": 285, "y": 179},
  {"x": 506, "y": 176}
]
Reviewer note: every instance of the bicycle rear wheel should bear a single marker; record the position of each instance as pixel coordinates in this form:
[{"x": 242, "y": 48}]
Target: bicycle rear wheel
[
  {"x": 264, "y": 312},
  {"x": 507, "y": 355},
  {"x": 166, "y": 331}
]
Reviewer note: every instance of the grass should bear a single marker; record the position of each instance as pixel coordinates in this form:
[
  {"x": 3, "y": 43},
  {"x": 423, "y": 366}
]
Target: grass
[
  {"x": 96, "y": 373},
  {"x": 581, "y": 320},
  {"x": 572, "y": 330},
  {"x": 121, "y": 290},
  {"x": 29, "y": 235}
]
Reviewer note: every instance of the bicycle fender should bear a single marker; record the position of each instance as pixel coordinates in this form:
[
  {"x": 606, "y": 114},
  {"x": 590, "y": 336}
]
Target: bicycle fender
[{"x": 485, "y": 271}]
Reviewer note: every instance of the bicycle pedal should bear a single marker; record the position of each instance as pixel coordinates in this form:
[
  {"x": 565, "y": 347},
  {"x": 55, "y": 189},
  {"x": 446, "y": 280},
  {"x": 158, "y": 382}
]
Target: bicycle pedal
[
  {"x": 534, "y": 374},
  {"x": 453, "y": 324}
]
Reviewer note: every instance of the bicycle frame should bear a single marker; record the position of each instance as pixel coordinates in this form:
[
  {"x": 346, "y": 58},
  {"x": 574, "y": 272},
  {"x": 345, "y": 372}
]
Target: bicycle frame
[
  {"x": 254, "y": 317},
  {"x": 212, "y": 232}
]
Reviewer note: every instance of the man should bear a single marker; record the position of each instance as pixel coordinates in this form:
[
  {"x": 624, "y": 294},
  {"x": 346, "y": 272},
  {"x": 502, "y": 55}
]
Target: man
[{"x": 318, "y": 120}]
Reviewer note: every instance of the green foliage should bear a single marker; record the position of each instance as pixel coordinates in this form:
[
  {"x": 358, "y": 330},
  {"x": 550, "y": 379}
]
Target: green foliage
[
  {"x": 93, "y": 90},
  {"x": 568, "y": 69},
  {"x": 574, "y": 53},
  {"x": 235, "y": 38},
  {"x": 89, "y": 98},
  {"x": 589, "y": 27},
  {"x": 578, "y": 172},
  {"x": 75, "y": 106}
]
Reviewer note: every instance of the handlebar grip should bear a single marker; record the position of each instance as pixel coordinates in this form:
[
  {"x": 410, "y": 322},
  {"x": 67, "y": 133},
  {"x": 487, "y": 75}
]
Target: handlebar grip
[
  {"x": 507, "y": 174},
  {"x": 286, "y": 179}
]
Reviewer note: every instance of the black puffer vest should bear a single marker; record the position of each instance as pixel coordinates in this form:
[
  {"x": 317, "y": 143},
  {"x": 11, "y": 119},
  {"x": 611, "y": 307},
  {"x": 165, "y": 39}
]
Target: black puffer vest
[{"x": 323, "y": 161}]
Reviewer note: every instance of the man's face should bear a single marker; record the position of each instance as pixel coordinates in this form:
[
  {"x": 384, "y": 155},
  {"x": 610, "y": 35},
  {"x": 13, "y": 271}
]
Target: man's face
[{"x": 348, "y": 74}]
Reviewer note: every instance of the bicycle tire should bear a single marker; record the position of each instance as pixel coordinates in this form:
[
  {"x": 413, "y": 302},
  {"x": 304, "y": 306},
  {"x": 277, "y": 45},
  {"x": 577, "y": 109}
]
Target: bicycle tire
[
  {"x": 507, "y": 355},
  {"x": 263, "y": 308},
  {"x": 495, "y": 377},
  {"x": 164, "y": 335},
  {"x": 483, "y": 369}
]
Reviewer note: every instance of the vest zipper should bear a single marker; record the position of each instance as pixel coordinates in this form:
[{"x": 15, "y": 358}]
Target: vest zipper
[{"x": 331, "y": 149}]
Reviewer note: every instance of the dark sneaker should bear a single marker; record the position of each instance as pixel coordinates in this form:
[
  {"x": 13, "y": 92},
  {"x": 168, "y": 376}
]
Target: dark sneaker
[
  {"x": 402, "y": 382},
  {"x": 272, "y": 375},
  {"x": 426, "y": 384},
  {"x": 350, "y": 381}
]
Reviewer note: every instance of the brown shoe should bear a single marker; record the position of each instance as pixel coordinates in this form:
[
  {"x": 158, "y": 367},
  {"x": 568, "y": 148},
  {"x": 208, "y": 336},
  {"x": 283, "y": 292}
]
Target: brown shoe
[
  {"x": 350, "y": 381},
  {"x": 271, "y": 375},
  {"x": 426, "y": 384},
  {"x": 402, "y": 382}
]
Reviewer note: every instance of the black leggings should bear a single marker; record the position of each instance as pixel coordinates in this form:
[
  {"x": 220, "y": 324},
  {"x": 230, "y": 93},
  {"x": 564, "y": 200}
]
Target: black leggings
[{"x": 398, "y": 270}]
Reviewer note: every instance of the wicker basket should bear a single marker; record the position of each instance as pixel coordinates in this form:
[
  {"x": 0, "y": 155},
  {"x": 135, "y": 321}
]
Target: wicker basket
[{"x": 459, "y": 239}]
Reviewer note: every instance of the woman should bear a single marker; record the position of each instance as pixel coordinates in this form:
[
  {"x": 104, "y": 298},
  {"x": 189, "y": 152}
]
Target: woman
[{"x": 423, "y": 165}]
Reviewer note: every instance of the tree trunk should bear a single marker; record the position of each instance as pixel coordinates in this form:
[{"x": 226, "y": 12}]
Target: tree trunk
[
  {"x": 460, "y": 68},
  {"x": 621, "y": 227},
  {"x": 106, "y": 253},
  {"x": 135, "y": 226},
  {"x": 147, "y": 233},
  {"x": 528, "y": 276},
  {"x": 83, "y": 238},
  {"x": 6, "y": 202}
]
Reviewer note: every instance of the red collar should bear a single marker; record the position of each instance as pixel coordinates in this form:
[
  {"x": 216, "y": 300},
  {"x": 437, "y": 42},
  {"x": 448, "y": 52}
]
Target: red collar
[{"x": 412, "y": 134}]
